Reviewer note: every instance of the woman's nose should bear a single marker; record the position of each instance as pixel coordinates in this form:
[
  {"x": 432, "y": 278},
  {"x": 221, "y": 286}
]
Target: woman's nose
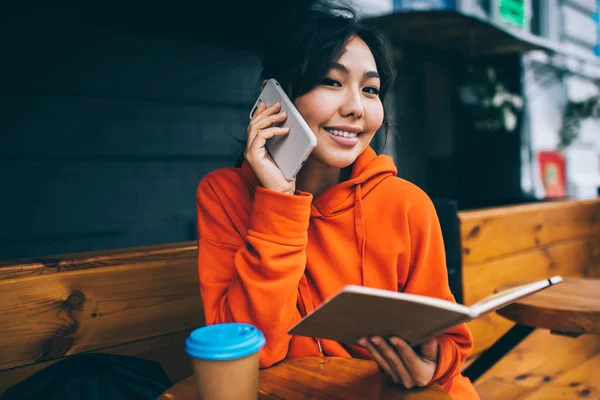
[{"x": 353, "y": 105}]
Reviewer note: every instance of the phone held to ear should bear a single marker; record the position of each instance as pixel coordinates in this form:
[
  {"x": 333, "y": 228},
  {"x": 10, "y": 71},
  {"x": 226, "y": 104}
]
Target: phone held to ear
[{"x": 290, "y": 151}]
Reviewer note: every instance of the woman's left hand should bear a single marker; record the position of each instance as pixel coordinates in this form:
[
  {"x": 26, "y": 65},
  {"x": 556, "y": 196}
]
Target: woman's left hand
[{"x": 400, "y": 362}]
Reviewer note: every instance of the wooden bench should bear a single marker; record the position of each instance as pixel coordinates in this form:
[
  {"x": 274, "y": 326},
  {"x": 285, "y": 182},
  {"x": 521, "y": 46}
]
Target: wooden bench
[
  {"x": 525, "y": 243},
  {"x": 144, "y": 301},
  {"x": 140, "y": 301}
]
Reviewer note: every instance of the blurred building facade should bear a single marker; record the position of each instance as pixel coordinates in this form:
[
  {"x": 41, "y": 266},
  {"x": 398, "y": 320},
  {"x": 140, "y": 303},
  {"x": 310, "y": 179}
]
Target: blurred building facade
[{"x": 565, "y": 73}]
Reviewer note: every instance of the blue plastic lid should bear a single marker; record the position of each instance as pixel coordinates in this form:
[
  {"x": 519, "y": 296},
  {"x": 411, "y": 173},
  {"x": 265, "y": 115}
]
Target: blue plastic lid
[{"x": 224, "y": 341}]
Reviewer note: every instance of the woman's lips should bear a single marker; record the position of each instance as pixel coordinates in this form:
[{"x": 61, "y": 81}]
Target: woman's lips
[{"x": 344, "y": 141}]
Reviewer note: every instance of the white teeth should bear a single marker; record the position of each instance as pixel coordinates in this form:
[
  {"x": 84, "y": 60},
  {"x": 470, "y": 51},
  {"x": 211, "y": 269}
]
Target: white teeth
[{"x": 342, "y": 133}]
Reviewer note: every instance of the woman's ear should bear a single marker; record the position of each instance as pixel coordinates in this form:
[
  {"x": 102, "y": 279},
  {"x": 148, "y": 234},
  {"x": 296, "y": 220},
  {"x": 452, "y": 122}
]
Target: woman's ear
[{"x": 264, "y": 82}]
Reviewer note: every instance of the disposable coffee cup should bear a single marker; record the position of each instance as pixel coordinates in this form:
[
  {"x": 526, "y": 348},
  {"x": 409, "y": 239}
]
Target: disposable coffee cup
[{"x": 225, "y": 359}]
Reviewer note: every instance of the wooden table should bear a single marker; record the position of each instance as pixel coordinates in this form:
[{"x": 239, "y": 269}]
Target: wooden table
[
  {"x": 569, "y": 308},
  {"x": 322, "y": 378}
]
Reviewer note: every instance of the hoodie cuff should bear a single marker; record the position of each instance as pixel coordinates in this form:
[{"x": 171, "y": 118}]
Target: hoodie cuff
[
  {"x": 446, "y": 357},
  {"x": 280, "y": 217}
]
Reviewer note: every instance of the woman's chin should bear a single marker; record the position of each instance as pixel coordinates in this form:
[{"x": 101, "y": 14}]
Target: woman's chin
[{"x": 338, "y": 160}]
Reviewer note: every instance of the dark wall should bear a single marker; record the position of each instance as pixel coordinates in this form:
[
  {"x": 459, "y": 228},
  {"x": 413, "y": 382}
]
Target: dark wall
[
  {"x": 105, "y": 133},
  {"x": 113, "y": 112}
]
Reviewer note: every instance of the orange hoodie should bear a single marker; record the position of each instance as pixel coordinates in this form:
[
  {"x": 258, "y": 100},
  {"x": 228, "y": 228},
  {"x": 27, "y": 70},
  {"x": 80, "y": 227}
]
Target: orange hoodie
[{"x": 269, "y": 258}]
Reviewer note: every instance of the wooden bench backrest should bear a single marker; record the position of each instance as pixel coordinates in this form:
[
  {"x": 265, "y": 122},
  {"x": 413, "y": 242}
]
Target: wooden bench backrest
[
  {"x": 139, "y": 301},
  {"x": 525, "y": 242}
]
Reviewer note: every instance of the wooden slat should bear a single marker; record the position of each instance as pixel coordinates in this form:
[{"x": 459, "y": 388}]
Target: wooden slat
[
  {"x": 579, "y": 382},
  {"x": 70, "y": 262},
  {"x": 494, "y": 389},
  {"x": 536, "y": 364},
  {"x": 490, "y": 234},
  {"x": 168, "y": 350},
  {"x": 531, "y": 364},
  {"x": 576, "y": 257},
  {"x": 525, "y": 242},
  {"x": 487, "y": 330},
  {"x": 572, "y": 307},
  {"x": 47, "y": 317},
  {"x": 572, "y": 258}
]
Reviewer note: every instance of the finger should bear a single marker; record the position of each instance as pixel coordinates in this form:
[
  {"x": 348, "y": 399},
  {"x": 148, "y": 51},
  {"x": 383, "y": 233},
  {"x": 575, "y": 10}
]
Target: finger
[
  {"x": 430, "y": 350},
  {"x": 264, "y": 123},
  {"x": 265, "y": 134},
  {"x": 269, "y": 120},
  {"x": 259, "y": 109},
  {"x": 251, "y": 132},
  {"x": 393, "y": 360},
  {"x": 414, "y": 364},
  {"x": 273, "y": 109},
  {"x": 258, "y": 114},
  {"x": 380, "y": 360}
]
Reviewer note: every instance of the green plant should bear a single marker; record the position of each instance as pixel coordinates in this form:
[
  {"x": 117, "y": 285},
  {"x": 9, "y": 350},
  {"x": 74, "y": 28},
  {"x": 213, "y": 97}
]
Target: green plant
[
  {"x": 492, "y": 105},
  {"x": 574, "y": 113}
]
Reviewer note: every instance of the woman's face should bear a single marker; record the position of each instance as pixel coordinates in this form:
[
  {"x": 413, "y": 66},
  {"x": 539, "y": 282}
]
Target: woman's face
[{"x": 344, "y": 110}]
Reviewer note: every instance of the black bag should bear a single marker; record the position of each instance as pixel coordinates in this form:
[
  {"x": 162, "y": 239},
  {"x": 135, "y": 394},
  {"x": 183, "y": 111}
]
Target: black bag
[{"x": 94, "y": 376}]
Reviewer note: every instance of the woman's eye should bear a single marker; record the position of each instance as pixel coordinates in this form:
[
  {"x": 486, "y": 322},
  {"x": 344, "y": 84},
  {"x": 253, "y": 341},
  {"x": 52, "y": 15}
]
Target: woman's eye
[
  {"x": 331, "y": 82},
  {"x": 371, "y": 90}
]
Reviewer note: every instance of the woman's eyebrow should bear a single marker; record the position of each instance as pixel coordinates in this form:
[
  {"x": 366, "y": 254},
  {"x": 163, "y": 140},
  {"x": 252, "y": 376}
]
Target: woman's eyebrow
[
  {"x": 342, "y": 68},
  {"x": 337, "y": 66}
]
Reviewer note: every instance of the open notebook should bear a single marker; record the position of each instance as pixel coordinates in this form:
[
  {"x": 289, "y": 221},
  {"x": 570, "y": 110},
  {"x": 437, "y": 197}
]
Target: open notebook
[{"x": 358, "y": 311}]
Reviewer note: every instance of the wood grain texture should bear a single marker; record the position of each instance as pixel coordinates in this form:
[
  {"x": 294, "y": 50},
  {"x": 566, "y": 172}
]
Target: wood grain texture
[
  {"x": 581, "y": 382},
  {"x": 487, "y": 330},
  {"x": 47, "y": 317},
  {"x": 168, "y": 350},
  {"x": 493, "y": 233},
  {"x": 493, "y": 389},
  {"x": 571, "y": 258},
  {"x": 322, "y": 378},
  {"x": 525, "y": 242},
  {"x": 574, "y": 257},
  {"x": 157, "y": 254},
  {"x": 538, "y": 363},
  {"x": 572, "y": 306}
]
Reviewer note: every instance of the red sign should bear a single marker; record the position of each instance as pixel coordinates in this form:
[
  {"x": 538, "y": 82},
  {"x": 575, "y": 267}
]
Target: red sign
[{"x": 554, "y": 177}]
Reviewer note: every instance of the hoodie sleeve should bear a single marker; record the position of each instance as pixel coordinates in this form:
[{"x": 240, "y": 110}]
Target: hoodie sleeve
[
  {"x": 253, "y": 279},
  {"x": 428, "y": 276}
]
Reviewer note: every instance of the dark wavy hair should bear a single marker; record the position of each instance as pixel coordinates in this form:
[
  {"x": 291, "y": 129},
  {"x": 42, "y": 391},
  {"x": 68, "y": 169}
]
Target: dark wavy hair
[{"x": 302, "y": 46}]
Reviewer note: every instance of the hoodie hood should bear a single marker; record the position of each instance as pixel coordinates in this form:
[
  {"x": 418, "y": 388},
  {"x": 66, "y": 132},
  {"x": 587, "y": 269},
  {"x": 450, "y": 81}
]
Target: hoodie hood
[{"x": 368, "y": 171}]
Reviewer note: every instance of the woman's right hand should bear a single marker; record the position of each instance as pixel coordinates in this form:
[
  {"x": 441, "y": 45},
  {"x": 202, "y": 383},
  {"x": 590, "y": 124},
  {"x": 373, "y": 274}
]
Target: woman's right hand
[{"x": 259, "y": 130}]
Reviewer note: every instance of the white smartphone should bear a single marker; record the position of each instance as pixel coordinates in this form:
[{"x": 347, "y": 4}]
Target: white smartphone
[{"x": 289, "y": 152}]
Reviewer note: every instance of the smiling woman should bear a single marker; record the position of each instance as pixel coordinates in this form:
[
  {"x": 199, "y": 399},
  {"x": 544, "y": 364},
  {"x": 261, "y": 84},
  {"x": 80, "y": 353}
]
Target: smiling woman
[
  {"x": 344, "y": 110},
  {"x": 271, "y": 250}
]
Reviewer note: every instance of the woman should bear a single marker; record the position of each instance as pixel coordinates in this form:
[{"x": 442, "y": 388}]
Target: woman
[{"x": 270, "y": 250}]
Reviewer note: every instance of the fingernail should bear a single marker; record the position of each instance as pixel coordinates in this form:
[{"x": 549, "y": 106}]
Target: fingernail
[
  {"x": 362, "y": 342},
  {"x": 376, "y": 340}
]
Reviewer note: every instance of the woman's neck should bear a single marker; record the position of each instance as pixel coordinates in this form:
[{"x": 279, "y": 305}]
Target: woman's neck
[{"x": 316, "y": 178}]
